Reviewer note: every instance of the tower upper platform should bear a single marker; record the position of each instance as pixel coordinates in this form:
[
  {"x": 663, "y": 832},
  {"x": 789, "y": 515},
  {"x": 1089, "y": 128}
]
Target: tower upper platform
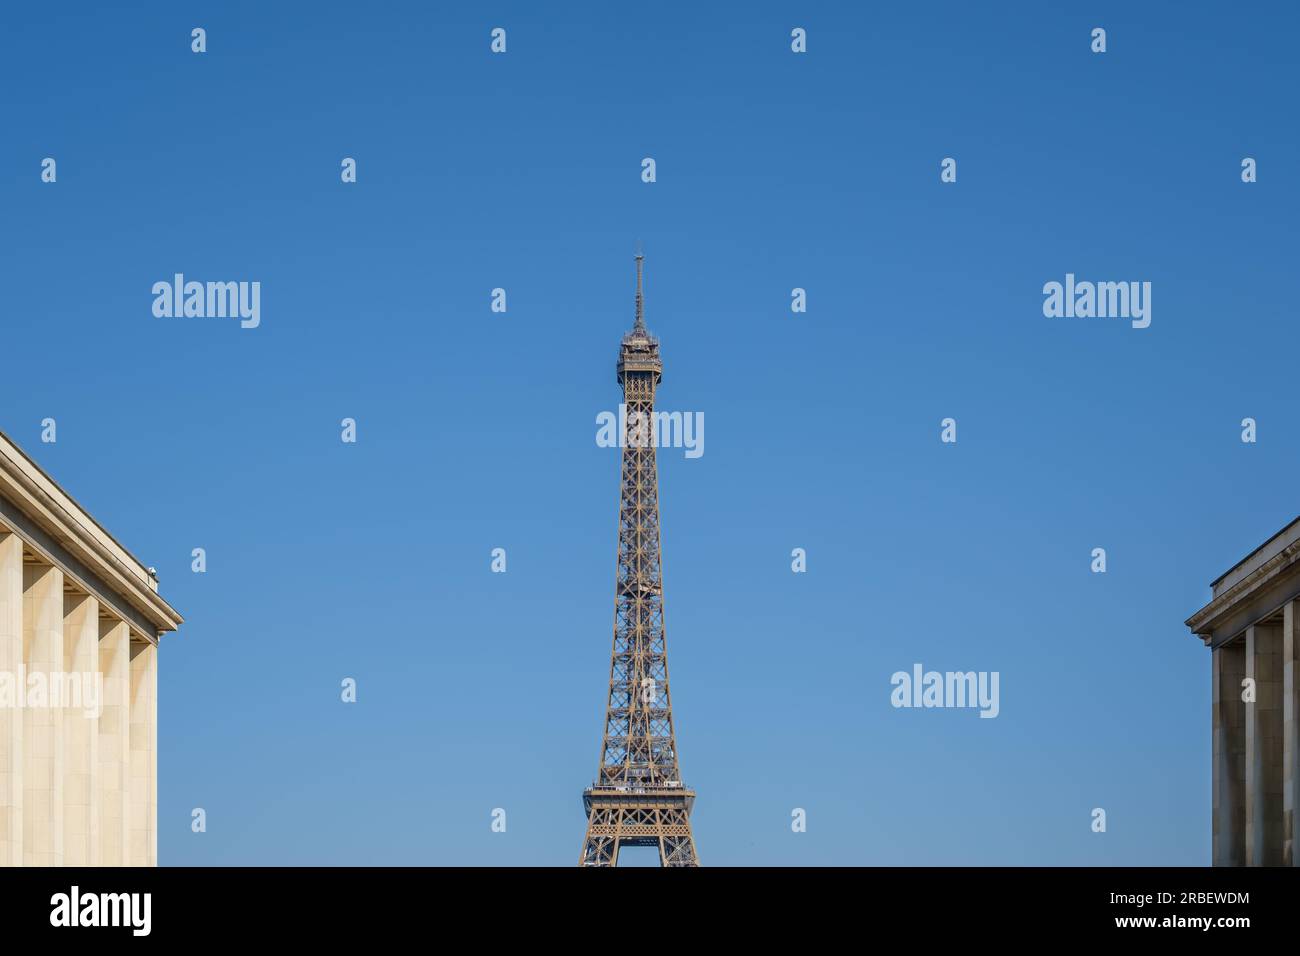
[{"x": 639, "y": 351}]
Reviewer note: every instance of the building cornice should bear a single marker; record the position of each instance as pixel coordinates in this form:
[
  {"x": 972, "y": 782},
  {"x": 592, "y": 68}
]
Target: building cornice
[
  {"x": 48, "y": 518},
  {"x": 1207, "y": 623}
]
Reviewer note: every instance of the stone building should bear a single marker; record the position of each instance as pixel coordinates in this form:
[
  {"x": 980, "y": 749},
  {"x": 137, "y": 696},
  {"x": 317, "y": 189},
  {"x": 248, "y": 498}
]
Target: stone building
[
  {"x": 80, "y": 621},
  {"x": 1250, "y": 627}
]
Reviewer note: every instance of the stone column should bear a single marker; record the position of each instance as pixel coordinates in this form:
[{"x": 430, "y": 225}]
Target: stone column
[
  {"x": 114, "y": 744},
  {"x": 1229, "y": 722},
  {"x": 1264, "y": 746},
  {"x": 42, "y": 724},
  {"x": 11, "y": 718},
  {"x": 1290, "y": 729},
  {"x": 144, "y": 756},
  {"x": 81, "y": 730}
]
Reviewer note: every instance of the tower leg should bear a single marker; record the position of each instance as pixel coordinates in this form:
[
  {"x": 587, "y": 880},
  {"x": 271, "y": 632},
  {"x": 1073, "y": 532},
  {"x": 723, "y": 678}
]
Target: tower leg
[{"x": 600, "y": 848}]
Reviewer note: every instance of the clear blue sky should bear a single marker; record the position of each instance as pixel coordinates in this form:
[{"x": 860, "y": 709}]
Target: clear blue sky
[{"x": 477, "y": 430}]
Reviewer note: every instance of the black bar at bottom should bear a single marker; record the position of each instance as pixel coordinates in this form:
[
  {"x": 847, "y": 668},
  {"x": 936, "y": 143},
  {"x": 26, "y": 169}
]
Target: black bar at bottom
[{"x": 380, "y": 905}]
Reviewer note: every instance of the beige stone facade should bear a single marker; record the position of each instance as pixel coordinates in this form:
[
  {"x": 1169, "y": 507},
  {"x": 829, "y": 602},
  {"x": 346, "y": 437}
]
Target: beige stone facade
[
  {"x": 80, "y": 622},
  {"x": 1252, "y": 627}
]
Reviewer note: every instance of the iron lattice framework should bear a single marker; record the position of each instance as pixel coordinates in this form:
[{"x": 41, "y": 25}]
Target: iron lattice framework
[{"x": 638, "y": 798}]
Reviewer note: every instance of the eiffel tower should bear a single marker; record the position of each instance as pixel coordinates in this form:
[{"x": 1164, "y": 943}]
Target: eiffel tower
[{"x": 638, "y": 798}]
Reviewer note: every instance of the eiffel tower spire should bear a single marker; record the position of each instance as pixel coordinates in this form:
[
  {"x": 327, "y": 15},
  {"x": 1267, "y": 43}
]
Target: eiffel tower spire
[
  {"x": 638, "y": 798},
  {"x": 640, "y": 299}
]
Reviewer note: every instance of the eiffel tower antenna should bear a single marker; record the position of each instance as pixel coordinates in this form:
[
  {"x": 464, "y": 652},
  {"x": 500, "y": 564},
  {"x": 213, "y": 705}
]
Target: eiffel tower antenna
[
  {"x": 638, "y": 798},
  {"x": 640, "y": 297}
]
